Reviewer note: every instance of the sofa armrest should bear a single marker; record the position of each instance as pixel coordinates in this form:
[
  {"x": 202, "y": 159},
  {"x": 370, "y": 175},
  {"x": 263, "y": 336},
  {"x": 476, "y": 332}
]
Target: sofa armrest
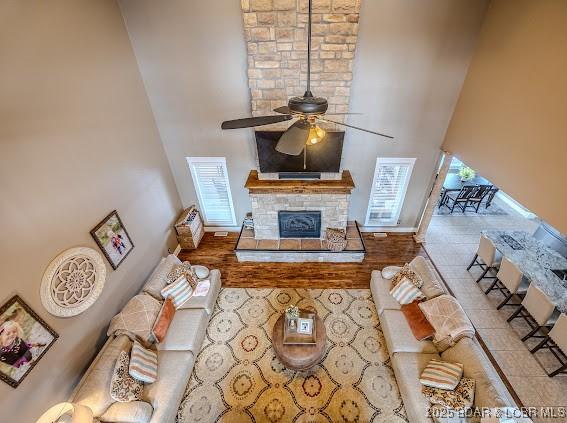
[{"x": 128, "y": 412}]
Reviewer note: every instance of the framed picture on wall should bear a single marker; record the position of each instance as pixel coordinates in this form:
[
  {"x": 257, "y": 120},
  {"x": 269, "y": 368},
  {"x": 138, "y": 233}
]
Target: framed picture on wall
[
  {"x": 24, "y": 339},
  {"x": 112, "y": 238}
]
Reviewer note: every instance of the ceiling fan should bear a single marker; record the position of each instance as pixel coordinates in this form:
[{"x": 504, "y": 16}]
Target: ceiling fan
[{"x": 309, "y": 110}]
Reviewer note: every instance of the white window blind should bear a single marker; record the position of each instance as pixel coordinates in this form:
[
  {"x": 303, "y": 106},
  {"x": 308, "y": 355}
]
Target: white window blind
[
  {"x": 391, "y": 179},
  {"x": 213, "y": 190}
]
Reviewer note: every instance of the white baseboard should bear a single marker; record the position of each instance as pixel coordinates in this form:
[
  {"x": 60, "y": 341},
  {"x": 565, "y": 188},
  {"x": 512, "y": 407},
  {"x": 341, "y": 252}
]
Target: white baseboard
[
  {"x": 177, "y": 250},
  {"x": 222, "y": 228},
  {"x": 387, "y": 229}
]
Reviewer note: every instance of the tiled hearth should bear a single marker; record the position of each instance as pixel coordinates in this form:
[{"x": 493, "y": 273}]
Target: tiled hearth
[{"x": 248, "y": 248}]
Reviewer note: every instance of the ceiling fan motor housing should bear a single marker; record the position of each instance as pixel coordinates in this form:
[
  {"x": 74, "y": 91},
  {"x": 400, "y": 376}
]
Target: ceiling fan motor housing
[{"x": 308, "y": 105}]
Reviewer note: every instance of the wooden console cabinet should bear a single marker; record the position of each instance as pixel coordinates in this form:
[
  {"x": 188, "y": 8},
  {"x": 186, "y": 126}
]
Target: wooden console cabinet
[{"x": 189, "y": 228}]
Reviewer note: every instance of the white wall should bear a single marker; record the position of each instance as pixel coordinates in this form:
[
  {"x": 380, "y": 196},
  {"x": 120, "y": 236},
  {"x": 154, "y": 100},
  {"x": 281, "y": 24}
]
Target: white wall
[
  {"x": 410, "y": 63},
  {"x": 77, "y": 140}
]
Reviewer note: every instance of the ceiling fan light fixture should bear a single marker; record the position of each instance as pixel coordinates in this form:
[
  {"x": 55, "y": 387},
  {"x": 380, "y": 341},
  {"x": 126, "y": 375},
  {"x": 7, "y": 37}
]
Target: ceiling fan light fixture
[{"x": 316, "y": 135}]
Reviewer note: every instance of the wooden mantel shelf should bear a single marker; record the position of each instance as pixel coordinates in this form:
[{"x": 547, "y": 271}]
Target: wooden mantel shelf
[{"x": 299, "y": 186}]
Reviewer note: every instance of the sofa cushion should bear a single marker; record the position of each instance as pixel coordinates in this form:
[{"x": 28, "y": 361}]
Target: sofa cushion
[
  {"x": 94, "y": 389},
  {"x": 417, "y": 322},
  {"x": 158, "y": 279},
  {"x": 128, "y": 412},
  {"x": 490, "y": 391},
  {"x": 408, "y": 367},
  {"x": 208, "y": 301},
  {"x": 136, "y": 318},
  {"x": 186, "y": 332},
  {"x": 460, "y": 398},
  {"x": 432, "y": 286},
  {"x": 380, "y": 289},
  {"x": 174, "y": 371},
  {"x": 123, "y": 387},
  {"x": 399, "y": 337}
]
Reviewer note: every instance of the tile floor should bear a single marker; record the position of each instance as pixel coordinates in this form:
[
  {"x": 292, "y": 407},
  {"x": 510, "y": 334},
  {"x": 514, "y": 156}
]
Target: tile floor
[{"x": 451, "y": 242}]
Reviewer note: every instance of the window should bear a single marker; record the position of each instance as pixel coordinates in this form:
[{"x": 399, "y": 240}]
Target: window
[
  {"x": 391, "y": 179},
  {"x": 213, "y": 190}
]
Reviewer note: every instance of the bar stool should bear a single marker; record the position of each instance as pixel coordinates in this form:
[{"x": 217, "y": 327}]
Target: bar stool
[
  {"x": 487, "y": 253},
  {"x": 556, "y": 342},
  {"x": 510, "y": 281},
  {"x": 537, "y": 310}
]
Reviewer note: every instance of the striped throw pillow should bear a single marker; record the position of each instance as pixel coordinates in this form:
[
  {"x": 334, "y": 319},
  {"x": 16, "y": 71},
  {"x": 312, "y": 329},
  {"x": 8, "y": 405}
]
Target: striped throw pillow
[
  {"x": 179, "y": 291},
  {"x": 406, "y": 292},
  {"x": 442, "y": 374},
  {"x": 143, "y": 364}
]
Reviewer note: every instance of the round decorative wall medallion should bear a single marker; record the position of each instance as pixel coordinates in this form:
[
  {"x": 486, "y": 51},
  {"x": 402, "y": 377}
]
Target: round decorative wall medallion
[{"x": 73, "y": 281}]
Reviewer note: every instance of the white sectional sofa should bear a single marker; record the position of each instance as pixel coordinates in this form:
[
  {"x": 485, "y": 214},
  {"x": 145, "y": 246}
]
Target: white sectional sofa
[
  {"x": 410, "y": 356},
  {"x": 176, "y": 357}
]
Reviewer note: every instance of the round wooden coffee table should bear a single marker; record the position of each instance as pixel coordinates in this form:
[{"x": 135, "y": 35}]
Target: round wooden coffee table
[{"x": 299, "y": 357}]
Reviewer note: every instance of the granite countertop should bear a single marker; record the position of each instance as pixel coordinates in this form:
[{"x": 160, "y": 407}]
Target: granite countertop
[{"x": 535, "y": 260}]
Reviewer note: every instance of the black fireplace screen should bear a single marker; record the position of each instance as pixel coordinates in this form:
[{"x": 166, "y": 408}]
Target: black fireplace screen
[{"x": 299, "y": 224}]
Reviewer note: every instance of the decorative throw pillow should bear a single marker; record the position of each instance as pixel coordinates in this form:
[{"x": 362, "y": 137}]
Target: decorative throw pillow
[
  {"x": 136, "y": 318},
  {"x": 335, "y": 234},
  {"x": 179, "y": 291},
  {"x": 441, "y": 374},
  {"x": 143, "y": 363},
  {"x": 123, "y": 387},
  {"x": 406, "y": 273},
  {"x": 183, "y": 269},
  {"x": 461, "y": 398},
  {"x": 406, "y": 292},
  {"x": 159, "y": 331},
  {"x": 417, "y": 322}
]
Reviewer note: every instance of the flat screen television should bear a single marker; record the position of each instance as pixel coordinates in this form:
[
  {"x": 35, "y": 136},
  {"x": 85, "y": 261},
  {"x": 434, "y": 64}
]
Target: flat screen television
[{"x": 322, "y": 157}]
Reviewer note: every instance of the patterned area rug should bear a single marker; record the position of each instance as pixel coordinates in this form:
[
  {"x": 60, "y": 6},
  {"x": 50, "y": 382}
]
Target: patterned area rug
[{"x": 237, "y": 377}]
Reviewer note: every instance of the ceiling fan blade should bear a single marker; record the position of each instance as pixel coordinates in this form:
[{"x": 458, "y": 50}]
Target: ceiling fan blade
[
  {"x": 342, "y": 114},
  {"x": 355, "y": 127},
  {"x": 254, "y": 121},
  {"x": 284, "y": 110},
  {"x": 292, "y": 141}
]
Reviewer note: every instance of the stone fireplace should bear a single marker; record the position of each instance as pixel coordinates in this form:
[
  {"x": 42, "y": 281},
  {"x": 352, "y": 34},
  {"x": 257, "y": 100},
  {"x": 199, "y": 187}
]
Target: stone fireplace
[{"x": 291, "y": 217}]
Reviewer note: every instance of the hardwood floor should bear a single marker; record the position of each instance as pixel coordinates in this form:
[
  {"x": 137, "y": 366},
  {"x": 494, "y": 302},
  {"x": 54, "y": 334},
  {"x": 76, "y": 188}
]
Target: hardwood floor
[{"x": 217, "y": 252}]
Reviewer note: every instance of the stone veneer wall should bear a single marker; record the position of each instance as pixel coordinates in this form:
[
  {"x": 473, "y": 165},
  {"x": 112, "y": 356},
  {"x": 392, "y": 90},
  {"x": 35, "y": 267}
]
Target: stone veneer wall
[
  {"x": 265, "y": 207},
  {"x": 276, "y": 36}
]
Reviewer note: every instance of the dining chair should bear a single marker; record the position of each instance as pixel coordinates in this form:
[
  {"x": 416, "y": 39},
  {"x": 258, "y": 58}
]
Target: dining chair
[
  {"x": 477, "y": 196},
  {"x": 486, "y": 257},
  {"x": 509, "y": 281},
  {"x": 537, "y": 310},
  {"x": 460, "y": 198},
  {"x": 490, "y": 196},
  {"x": 556, "y": 342}
]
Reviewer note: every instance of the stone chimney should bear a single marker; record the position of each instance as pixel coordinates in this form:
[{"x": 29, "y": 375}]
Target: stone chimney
[{"x": 276, "y": 36}]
